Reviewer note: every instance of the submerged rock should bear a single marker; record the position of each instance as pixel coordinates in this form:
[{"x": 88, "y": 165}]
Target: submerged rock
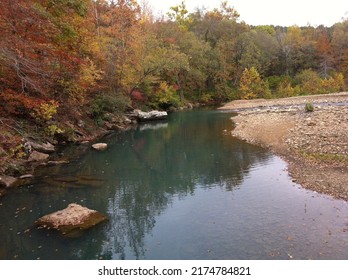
[
  {"x": 74, "y": 182},
  {"x": 7, "y": 181},
  {"x": 71, "y": 221},
  {"x": 37, "y": 156},
  {"x": 24, "y": 180},
  {"x": 100, "y": 146}
]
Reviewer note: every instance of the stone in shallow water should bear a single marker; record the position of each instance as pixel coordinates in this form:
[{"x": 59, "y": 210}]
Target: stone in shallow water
[
  {"x": 7, "y": 181},
  {"x": 37, "y": 156},
  {"x": 71, "y": 221}
]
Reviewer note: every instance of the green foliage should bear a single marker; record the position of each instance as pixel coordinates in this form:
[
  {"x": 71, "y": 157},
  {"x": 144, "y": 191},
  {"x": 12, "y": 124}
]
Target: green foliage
[
  {"x": 59, "y": 7},
  {"x": 285, "y": 89},
  {"x": 15, "y": 170},
  {"x": 206, "y": 98},
  {"x": 79, "y": 48},
  {"x": 53, "y": 129},
  {"x": 18, "y": 151},
  {"x": 179, "y": 15},
  {"x": 108, "y": 103},
  {"x": 275, "y": 81},
  {"x": 309, "y": 107},
  {"x": 309, "y": 82},
  {"x": 164, "y": 97}
]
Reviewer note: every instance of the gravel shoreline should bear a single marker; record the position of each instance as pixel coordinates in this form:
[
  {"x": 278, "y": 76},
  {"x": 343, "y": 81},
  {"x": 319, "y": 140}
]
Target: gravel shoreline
[{"x": 315, "y": 144}]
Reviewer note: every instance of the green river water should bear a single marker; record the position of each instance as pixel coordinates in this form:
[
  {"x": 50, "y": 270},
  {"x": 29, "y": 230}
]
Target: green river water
[{"x": 179, "y": 189}]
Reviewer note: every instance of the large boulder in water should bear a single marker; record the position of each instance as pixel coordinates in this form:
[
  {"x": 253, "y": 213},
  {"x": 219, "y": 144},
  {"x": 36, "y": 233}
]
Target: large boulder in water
[
  {"x": 71, "y": 221},
  {"x": 151, "y": 116},
  {"x": 100, "y": 146}
]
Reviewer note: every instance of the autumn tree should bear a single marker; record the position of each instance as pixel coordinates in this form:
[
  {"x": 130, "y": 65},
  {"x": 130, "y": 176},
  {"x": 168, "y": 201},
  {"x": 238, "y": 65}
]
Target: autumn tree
[
  {"x": 179, "y": 15},
  {"x": 64, "y": 53},
  {"x": 339, "y": 44},
  {"x": 45, "y": 48},
  {"x": 118, "y": 25},
  {"x": 325, "y": 54},
  {"x": 26, "y": 48},
  {"x": 252, "y": 86},
  {"x": 286, "y": 89}
]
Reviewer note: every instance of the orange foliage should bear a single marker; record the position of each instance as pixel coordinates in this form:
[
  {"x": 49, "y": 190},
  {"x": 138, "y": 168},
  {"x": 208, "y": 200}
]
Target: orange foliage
[{"x": 19, "y": 104}]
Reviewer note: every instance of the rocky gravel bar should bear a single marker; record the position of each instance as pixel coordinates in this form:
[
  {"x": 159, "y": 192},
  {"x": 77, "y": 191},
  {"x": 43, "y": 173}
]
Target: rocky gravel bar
[{"x": 315, "y": 144}]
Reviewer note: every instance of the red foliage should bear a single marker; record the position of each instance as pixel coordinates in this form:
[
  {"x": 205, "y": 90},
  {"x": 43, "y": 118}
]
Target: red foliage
[
  {"x": 176, "y": 87},
  {"x": 170, "y": 40},
  {"x": 39, "y": 49},
  {"x": 13, "y": 103},
  {"x": 137, "y": 95}
]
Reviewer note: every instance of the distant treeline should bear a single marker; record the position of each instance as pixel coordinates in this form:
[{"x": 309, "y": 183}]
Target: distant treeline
[{"x": 59, "y": 58}]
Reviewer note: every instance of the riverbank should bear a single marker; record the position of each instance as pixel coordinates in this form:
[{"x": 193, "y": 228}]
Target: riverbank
[
  {"x": 315, "y": 144},
  {"x": 24, "y": 147}
]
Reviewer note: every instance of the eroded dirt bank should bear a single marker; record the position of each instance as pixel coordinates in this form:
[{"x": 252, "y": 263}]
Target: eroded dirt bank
[{"x": 315, "y": 144}]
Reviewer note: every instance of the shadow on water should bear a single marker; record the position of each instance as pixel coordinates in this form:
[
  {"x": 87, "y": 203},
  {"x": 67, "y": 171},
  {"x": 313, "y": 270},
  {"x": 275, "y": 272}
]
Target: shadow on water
[{"x": 181, "y": 189}]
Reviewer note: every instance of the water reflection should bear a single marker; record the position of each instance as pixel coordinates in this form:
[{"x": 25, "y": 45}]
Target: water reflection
[
  {"x": 153, "y": 166},
  {"x": 176, "y": 190},
  {"x": 153, "y": 125}
]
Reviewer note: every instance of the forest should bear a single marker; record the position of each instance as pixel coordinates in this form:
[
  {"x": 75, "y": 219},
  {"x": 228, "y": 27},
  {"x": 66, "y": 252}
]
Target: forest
[{"x": 66, "y": 61}]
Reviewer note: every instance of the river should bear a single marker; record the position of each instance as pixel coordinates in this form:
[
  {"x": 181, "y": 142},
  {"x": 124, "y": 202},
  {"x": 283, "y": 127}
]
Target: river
[{"x": 179, "y": 189}]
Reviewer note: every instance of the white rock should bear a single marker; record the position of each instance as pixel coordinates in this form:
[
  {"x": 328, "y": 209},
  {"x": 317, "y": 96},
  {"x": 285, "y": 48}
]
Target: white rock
[
  {"x": 152, "y": 115},
  {"x": 100, "y": 146}
]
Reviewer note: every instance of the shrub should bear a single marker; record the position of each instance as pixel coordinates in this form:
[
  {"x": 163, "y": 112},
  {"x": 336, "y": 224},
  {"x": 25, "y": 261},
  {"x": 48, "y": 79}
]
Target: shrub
[
  {"x": 333, "y": 84},
  {"x": 102, "y": 104},
  {"x": 45, "y": 111},
  {"x": 14, "y": 103},
  {"x": 52, "y": 130},
  {"x": 309, "y": 107},
  {"x": 252, "y": 86},
  {"x": 164, "y": 97},
  {"x": 309, "y": 81}
]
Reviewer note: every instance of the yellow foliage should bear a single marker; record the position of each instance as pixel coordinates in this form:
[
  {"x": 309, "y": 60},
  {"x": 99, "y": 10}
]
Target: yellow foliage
[
  {"x": 251, "y": 85},
  {"x": 311, "y": 83},
  {"x": 53, "y": 129},
  {"x": 286, "y": 90},
  {"x": 46, "y": 110},
  {"x": 163, "y": 86},
  {"x": 90, "y": 74}
]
